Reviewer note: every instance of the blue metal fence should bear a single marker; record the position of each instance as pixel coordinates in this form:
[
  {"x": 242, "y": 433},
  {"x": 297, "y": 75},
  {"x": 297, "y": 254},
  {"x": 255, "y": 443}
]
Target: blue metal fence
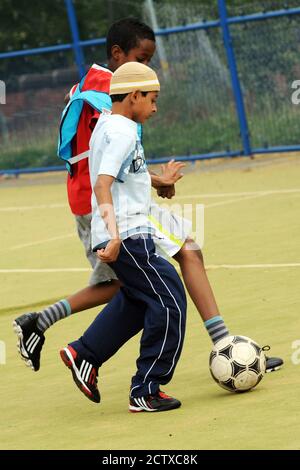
[{"x": 238, "y": 98}]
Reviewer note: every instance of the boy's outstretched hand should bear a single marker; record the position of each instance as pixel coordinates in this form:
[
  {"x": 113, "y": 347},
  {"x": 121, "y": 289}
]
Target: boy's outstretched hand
[
  {"x": 110, "y": 253},
  {"x": 165, "y": 183},
  {"x": 171, "y": 173}
]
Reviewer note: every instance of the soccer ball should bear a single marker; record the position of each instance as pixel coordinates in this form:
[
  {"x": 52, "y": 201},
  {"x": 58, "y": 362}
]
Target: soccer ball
[{"x": 237, "y": 363}]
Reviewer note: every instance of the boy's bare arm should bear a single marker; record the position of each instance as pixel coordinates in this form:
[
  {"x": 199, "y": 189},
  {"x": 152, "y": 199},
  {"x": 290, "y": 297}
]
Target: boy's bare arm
[{"x": 103, "y": 195}]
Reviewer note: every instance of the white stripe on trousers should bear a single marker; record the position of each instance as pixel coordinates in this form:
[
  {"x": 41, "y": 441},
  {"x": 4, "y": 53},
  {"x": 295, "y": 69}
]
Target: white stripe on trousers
[
  {"x": 175, "y": 301},
  {"x": 167, "y": 326},
  {"x": 161, "y": 301}
]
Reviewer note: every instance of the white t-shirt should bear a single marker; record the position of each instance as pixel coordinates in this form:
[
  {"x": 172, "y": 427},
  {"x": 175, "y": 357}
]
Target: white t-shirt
[{"x": 115, "y": 150}]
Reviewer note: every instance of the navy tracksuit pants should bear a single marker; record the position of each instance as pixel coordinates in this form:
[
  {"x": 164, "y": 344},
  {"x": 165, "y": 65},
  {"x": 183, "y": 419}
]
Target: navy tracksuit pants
[{"x": 153, "y": 299}]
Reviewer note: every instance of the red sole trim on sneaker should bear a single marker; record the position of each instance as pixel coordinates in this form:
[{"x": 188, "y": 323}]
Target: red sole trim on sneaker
[
  {"x": 69, "y": 362},
  {"x": 65, "y": 359}
]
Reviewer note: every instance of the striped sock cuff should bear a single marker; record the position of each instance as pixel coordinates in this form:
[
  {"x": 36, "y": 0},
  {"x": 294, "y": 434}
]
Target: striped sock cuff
[
  {"x": 216, "y": 328},
  {"x": 52, "y": 314},
  {"x": 67, "y": 305}
]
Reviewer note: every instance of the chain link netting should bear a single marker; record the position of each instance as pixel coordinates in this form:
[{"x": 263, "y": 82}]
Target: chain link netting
[
  {"x": 267, "y": 54},
  {"x": 196, "y": 108},
  {"x": 197, "y": 112}
]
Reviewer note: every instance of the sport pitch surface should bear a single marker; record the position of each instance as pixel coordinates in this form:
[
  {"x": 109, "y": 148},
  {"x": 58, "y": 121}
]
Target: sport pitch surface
[{"x": 252, "y": 251}]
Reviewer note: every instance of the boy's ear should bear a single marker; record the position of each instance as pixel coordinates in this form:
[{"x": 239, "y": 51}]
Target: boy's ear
[
  {"x": 135, "y": 95},
  {"x": 117, "y": 53}
]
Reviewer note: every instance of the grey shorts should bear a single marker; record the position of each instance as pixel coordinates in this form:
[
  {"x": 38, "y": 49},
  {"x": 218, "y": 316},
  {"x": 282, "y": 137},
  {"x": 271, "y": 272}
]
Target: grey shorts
[
  {"x": 170, "y": 233},
  {"x": 101, "y": 271}
]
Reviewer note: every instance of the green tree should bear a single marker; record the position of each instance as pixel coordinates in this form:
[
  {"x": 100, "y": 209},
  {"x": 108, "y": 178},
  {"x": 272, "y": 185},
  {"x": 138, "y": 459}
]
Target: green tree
[{"x": 29, "y": 24}]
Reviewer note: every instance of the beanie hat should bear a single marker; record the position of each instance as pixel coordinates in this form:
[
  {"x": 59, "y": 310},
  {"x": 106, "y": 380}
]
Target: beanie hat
[{"x": 133, "y": 76}]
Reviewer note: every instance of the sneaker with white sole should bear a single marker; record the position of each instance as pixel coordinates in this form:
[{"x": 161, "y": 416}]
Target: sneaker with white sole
[
  {"x": 272, "y": 363},
  {"x": 158, "y": 402},
  {"x": 84, "y": 373},
  {"x": 30, "y": 339}
]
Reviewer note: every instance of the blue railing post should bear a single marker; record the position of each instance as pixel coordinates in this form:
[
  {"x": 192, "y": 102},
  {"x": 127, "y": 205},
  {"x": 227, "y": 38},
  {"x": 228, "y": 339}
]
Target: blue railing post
[
  {"x": 239, "y": 102},
  {"x": 79, "y": 57}
]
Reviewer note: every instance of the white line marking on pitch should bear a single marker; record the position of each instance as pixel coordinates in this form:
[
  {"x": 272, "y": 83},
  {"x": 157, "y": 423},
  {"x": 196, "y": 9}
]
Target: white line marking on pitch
[
  {"x": 192, "y": 196},
  {"x": 249, "y": 193},
  {"x": 206, "y": 206},
  {"x": 50, "y": 270},
  {"x": 231, "y": 201},
  {"x": 220, "y": 203},
  {"x": 209, "y": 266},
  {"x": 39, "y": 242},
  {"x": 246, "y": 196},
  {"x": 253, "y": 266},
  {"x": 29, "y": 208}
]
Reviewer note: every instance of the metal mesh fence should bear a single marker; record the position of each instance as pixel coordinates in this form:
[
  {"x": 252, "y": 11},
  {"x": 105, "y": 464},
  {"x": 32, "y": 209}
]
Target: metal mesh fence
[
  {"x": 197, "y": 110},
  {"x": 267, "y": 54},
  {"x": 30, "y": 117},
  {"x": 259, "y": 6}
]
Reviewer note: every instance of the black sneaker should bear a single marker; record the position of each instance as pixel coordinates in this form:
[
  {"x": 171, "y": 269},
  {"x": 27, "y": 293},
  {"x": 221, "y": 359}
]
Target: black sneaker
[
  {"x": 31, "y": 339},
  {"x": 84, "y": 373},
  {"x": 158, "y": 402},
  {"x": 273, "y": 363}
]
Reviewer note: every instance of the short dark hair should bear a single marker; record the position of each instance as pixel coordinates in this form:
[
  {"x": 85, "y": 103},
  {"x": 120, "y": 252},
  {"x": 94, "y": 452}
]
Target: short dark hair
[
  {"x": 120, "y": 98},
  {"x": 127, "y": 33}
]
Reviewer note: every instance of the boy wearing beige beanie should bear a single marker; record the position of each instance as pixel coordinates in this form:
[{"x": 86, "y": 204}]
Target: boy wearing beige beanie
[{"x": 152, "y": 296}]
